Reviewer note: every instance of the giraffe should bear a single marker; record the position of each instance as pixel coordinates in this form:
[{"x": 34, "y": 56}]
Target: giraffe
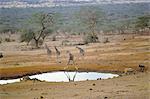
[
  {"x": 81, "y": 52},
  {"x": 49, "y": 52},
  {"x": 57, "y": 54},
  {"x": 71, "y": 58}
]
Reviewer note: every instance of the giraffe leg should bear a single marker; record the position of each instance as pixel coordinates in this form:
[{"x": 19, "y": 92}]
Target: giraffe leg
[
  {"x": 76, "y": 67},
  {"x": 73, "y": 62},
  {"x": 68, "y": 62},
  {"x": 49, "y": 58},
  {"x": 66, "y": 67},
  {"x": 59, "y": 61}
]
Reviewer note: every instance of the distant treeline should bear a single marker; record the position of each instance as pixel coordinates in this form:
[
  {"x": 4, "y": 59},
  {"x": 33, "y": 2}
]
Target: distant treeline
[{"x": 15, "y": 19}]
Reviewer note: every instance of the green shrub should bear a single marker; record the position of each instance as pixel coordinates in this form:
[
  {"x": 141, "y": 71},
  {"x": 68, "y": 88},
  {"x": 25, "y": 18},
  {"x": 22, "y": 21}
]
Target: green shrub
[
  {"x": 26, "y": 36},
  {"x": 90, "y": 39}
]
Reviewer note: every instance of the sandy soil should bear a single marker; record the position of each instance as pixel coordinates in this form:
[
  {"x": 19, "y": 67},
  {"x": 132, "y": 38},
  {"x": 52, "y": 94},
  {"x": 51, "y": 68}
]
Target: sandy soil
[{"x": 108, "y": 57}]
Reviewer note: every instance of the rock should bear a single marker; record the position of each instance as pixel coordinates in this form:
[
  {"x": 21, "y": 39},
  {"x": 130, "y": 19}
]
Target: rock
[
  {"x": 1, "y": 55},
  {"x": 105, "y": 97},
  {"x": 90, "y": 89},
  {"x": 25, "y": 78},
  {"x": 93, "y": 84},
  {"x": 98, "y": 78},
  {"x": 41, "y": 97}
]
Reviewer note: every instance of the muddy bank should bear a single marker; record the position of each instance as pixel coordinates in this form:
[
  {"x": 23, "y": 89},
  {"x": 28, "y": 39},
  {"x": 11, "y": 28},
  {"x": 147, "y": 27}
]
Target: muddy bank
[{"x": 15, "y": 76}]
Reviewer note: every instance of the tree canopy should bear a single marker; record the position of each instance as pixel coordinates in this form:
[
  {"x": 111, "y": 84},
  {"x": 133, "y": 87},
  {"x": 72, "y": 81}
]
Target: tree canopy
[{"x": 39, "y": 26}]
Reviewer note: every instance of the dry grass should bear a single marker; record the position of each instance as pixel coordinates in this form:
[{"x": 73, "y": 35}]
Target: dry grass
[{"x": 99, "y": 57}]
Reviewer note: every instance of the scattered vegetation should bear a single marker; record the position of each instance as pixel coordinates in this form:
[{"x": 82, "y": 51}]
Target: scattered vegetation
[
  {"x": 143, "y": 23},
  {"x": 26, "y": 36},
  {"x": 89, "y": 21},
  {"x": 9, "y": 40},
  {"x": 89, "y": 38}
]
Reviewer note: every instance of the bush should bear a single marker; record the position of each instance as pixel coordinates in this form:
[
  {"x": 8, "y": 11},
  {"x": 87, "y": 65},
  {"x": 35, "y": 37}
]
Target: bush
[
  {"x": 90, "y": 39},
  {"x": 7, "y": 39},
  {"x": 65, "y": 42},
  {"x": 54, "y": 38},
  {"x": 106, "y": 40},
  {"x": 26, "y": 36}
]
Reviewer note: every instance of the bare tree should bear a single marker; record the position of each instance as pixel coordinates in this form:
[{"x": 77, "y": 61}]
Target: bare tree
[
  {"x": 91, "y": 17},
  {"x": 44, "y": 20}
]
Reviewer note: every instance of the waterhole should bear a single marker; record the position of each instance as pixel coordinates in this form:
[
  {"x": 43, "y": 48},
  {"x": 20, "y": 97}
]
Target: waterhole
[{"x": 65, "y": 77}]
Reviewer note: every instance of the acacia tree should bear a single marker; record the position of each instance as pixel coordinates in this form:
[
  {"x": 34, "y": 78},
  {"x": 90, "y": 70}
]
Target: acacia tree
[
  {"x": 90, "y": 18},
  {"x": 40, "y": 26}
]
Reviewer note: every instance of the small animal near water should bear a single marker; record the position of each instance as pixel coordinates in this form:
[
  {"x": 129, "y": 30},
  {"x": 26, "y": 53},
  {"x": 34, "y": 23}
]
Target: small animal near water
[
  {"x": 142, "y": 67},
  {"x": 128, "y": 70},
  {"x": 1, "y": 55}
]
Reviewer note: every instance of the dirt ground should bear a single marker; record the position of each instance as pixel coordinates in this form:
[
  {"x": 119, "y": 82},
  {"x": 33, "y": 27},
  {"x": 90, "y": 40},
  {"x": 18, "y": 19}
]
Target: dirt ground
[{"x": 113, "y": 57}]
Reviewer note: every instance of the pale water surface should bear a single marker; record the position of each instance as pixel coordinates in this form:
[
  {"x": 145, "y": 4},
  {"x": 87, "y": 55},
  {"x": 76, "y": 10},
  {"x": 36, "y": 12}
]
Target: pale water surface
[{"x": 62, "y": 77}]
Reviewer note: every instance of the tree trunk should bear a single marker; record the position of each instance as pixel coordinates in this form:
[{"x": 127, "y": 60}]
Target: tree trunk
[{"x": 36, "y": 43}]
